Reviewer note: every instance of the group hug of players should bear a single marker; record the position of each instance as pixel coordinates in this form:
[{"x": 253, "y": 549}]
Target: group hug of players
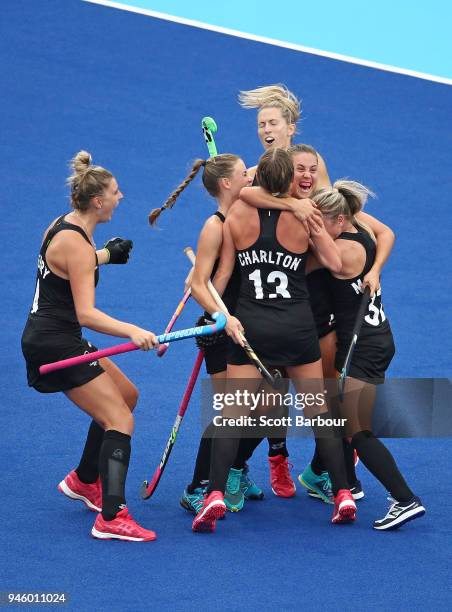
[{"x": 290, "y": 255}]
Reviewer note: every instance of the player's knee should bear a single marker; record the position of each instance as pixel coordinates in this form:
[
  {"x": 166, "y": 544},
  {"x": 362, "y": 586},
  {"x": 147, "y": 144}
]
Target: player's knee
[
  {"x": 121, "y": 419},
  {"x": 359, "y": 437}
]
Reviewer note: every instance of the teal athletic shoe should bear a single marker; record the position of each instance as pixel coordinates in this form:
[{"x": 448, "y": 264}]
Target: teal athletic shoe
[
  {"x": 318, "y": 486},
  {"x": 193, "y": 501},
  {"x": 233, "y": 496},
  {"x": 248, "y": 487}
]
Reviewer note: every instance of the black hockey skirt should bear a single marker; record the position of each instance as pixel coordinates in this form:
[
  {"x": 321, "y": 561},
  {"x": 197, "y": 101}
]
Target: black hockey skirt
[
  {"x": 281, "y": 334},
  {"x": 215, "y": 356},
  {"x": 321, "y": 301},
  {"x": 372, "y": 355},
  {"x": 42, "y": 345}
]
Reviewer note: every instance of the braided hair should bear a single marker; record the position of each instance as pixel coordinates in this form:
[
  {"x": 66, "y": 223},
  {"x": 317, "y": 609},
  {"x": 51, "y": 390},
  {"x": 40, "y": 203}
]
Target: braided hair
[{"x": 215, "y": 168}]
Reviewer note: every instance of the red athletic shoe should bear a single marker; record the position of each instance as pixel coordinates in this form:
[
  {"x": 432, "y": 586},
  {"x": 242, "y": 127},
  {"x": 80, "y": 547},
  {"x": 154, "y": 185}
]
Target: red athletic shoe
[
  {"x": 89, "y": 494},
  {"x": 122, "y": 527},
  {"x": 344, "y": 507},
  {"x": 280, "y": 478},
  {"x": 212, "y": 509},
  {"x": 356, "y": 457}
]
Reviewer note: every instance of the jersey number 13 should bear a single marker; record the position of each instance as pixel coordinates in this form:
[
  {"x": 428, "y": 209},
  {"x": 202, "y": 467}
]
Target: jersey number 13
[{"x": 274, "y": 277}]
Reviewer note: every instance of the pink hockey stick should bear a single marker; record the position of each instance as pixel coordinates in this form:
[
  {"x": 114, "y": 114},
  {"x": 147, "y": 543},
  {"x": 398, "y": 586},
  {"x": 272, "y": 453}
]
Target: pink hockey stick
[
  {"x": 147, "y": 489},
  {"x": 126, "y": 347},
  {"x": 164, "y": 347}
]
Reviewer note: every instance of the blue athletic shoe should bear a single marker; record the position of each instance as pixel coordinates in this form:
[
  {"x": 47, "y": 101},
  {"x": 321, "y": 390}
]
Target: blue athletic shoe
[
  {"x": 233, "y": 496},
  {"x": 248, "y": 487},
  {"x": 193, "y": 501},
  {"x": 318, "y": 486}
]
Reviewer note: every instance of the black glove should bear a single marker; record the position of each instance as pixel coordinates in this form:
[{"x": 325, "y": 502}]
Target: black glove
[
  {"x": 203, "y": 342},
  {"x": 118, "y": 250}
]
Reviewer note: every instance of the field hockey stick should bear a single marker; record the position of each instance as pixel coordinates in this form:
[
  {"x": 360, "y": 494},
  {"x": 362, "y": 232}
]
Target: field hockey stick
[
  {"x": 148, "y": 488},
  {"x": 356, "y": 329},
  {"x": 182, "y": 334},
  {"x": 209, "y": 128},
  {"x": 272, "y": 379},
  {"x": 164, "y": 347}
]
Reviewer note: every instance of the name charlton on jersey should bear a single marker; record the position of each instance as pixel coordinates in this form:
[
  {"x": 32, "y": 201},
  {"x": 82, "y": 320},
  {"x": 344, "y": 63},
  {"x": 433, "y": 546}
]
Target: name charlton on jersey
[{"x": 247, "y": 258}]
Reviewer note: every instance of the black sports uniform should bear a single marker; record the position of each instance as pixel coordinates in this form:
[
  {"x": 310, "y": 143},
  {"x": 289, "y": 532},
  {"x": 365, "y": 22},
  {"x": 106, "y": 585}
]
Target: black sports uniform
[
  {"x": 52, "y": 331},
  {"x": 375, "y": 347},
  {"x": 321, "y": 301},
  {"x": 215, "y": 353},
  {"x": 319, "y": 297},
  {"x": 273, "y": 304}
]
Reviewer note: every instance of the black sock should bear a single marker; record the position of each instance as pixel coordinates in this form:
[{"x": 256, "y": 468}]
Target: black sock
[
  {"x": 328, "y": 441},
  {"x": 277, "y": 446},
  {"x": 202, "y": 465},
  {"x": 332, "y": 456},
  {"x": 349, "y": 455},
  {"x": 247, "y": 446},
  {"x": 224, "y": 452},
  {"x": 379, "y": 461},
  {"x": 114, "y": 460},
  {"x": 317, "y": 465},
  {"x": 88, "y": 468}
]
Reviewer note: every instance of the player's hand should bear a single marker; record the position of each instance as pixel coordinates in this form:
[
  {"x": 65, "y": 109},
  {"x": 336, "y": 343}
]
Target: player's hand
[
  {"x": 315, "y": 223},
  {"x": 144, "y": 339},
  {"x": 234, "y": 329},
  {"x": 372, "y": 280},
  {"x": 306, "y": 211},
  {"x": 118, "y": 250}
]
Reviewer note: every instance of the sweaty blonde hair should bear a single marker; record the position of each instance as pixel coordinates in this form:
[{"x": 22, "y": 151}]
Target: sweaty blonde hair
[
  {"x": 86, "y": 181},
  {"x": 273, "y": 96},
  {"x": 345, "y": 198}
]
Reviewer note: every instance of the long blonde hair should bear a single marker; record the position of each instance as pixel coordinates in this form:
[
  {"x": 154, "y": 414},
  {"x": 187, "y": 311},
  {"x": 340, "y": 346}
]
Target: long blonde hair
[{"x": 345, "y": 198}]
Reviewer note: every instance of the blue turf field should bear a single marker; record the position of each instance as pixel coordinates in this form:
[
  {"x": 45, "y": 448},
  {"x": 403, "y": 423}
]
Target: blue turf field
[{"x": 132, "y": 90}]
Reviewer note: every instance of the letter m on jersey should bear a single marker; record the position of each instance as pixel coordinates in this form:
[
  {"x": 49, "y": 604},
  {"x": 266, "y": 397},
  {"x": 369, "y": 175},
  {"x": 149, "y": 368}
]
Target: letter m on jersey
[{"x": 357, "y": 286}]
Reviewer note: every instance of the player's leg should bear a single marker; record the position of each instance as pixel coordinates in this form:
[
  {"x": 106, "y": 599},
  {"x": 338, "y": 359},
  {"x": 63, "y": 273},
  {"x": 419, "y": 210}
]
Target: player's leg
[
  {"x": 225, "y": 445},
  {"x": 358, "y": 409},
  {"x": 101, "y": 400},
  {"x": 88, "y": 470},
  {"x": 308, "y": 379},
  {"x": 315, "y": 476},
  {"x": 193, "y": 496}
]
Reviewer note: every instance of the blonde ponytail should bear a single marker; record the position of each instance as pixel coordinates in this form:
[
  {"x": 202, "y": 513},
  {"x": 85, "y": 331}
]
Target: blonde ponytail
[
  {"x": 86, "y": 181},
  {"x": 345, "y": 198}
]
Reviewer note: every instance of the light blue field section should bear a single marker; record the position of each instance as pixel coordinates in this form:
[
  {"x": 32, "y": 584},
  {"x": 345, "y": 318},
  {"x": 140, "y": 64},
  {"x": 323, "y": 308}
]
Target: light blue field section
[{"x": 404, "y": 34}]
